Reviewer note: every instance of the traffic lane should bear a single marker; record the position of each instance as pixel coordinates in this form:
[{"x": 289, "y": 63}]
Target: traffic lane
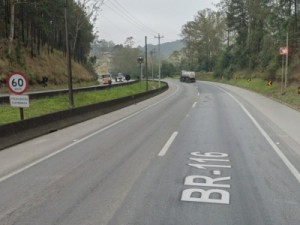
[
  {"x": 272, "y": 179},
  {"x": 15, "y": 157},
  {"x": 276, "y": 122},
  {"x": 263, "y": 179},
  {"x": 249, "y": 183},
  {"x": 96, "y": 174}
]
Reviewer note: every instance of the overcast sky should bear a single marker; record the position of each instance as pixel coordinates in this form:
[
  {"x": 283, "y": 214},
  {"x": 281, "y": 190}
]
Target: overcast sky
[{"x": 120, "y": 19}]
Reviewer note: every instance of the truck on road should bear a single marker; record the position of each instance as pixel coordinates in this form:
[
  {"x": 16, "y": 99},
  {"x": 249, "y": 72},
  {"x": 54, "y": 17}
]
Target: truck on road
[{"x": 187, "y": 76}]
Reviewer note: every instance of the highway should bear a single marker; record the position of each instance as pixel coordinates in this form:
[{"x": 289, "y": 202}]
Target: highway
[{"x": 199, "y": 154}]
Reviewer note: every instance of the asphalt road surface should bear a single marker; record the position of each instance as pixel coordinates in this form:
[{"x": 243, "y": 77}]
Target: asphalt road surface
[{"x": 199, "y": 154}]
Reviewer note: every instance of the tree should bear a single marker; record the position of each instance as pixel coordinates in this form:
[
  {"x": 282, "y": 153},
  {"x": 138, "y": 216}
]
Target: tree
[
  {"x": 84, "y": 12},
  {"x": 31, "y": 27},
  {"x": 11, "y": 26},
  {"x": 125, "y": 60},
  {"x": 176, "y": 59},
  {"x": 168, "y": 69},
  {"x": 129, "y": 42},
  {"x": 101, "y": 46},
  {"x": 38, "y": 23},
  {"x": 204, "y": 38}
]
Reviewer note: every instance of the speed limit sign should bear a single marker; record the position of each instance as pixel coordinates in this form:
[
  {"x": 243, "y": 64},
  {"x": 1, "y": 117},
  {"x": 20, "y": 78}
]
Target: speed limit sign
[{"x": 17, "y": 83}]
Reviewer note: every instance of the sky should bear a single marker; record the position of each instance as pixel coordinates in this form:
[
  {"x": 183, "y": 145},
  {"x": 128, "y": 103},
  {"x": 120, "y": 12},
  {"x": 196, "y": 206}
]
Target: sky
[{"x": 120, "y": 19}]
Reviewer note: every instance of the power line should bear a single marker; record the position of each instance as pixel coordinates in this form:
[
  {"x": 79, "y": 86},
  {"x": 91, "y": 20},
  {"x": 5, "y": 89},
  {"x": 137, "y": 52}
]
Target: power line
[
  {"x": 122, "y": 12},
  {"x": 124, "y": 17},
  {"x": 117, "y": 26},
  {"x": 134, "y": 18}
]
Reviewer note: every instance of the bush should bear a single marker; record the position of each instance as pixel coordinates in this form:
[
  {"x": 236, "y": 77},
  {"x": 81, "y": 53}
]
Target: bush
[{"x": 224, "y": 65}]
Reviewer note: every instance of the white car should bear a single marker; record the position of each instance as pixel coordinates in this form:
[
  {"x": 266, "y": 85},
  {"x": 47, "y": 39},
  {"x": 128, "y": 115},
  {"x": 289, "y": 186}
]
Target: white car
[{"x": 120, "y": 77}]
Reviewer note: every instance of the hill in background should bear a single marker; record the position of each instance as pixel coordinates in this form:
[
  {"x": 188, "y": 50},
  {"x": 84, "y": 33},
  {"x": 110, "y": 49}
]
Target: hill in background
[{"x": 166, "y": 49}]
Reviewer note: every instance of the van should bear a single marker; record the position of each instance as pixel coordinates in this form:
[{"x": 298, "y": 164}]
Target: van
[{"x": 105, "y": 79}]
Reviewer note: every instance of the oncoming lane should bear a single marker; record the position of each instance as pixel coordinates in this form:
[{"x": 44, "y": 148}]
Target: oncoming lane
[{"x": 88, "y": 180}]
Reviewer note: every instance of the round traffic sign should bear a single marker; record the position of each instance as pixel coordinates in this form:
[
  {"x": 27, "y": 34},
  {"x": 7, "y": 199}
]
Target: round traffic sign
[{"x": 17, "y": 83}]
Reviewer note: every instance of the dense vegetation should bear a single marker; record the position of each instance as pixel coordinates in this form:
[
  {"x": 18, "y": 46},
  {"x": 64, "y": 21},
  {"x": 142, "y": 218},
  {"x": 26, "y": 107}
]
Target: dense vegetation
[
  {"x": 33, "y": 27},
  {"x": 121, "y": 58},
  {"x": 243, "y": 35}
]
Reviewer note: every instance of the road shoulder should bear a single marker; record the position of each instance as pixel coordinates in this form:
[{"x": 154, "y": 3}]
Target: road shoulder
[{"x": 285, "y": 119}]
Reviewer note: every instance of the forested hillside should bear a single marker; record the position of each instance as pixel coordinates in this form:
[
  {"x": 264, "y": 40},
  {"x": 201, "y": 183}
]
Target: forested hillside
[
  {"x": 244, "y": 35},
  {"x": 33, "y": 30},
  {"x": 166, "y": 49}
]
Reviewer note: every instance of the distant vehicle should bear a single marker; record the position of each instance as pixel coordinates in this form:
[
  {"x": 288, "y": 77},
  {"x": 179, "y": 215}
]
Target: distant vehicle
[
  {"x": 187, "y": 76},
  {"x": 120, "y": 77},
  {"x": 105, "y": 79},
  {"x": 127, "y": 77}
]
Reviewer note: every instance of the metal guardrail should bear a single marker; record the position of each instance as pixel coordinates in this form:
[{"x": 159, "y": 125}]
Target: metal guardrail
[
  {"x": 4, "y": 99},
  {"x": 17, "y": 132}
]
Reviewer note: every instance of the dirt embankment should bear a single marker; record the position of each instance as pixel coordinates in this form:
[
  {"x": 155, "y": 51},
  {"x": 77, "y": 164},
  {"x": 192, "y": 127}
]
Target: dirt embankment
[{"x": 47, "y": 64}]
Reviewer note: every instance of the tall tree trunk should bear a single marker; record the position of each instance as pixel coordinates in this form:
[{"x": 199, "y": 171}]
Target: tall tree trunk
[
  {"x": 22, "y": 24},
  {"x": 38, "y": 44},
  {"x": 11, "y": 26},
  {"x": 296, "y": 15},
  {"x": 76, "y": 36},
  {"x": 7, "y": 13}
]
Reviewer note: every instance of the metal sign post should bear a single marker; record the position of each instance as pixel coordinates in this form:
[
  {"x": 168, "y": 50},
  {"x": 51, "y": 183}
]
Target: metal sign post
[
  {"x": 17, "y": 84},
  {"x": 140, "y": 60},
  {"x": 283, "y": 51}
]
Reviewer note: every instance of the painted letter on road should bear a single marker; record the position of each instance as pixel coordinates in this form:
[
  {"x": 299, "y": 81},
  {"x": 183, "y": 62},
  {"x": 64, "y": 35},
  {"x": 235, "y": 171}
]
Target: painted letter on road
[{"x": 204, "y": 196}]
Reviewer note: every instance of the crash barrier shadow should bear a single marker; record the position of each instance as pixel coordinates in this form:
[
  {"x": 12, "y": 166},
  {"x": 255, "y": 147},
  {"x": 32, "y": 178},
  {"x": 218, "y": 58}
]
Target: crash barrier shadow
[{"x": 18, "y": 132}]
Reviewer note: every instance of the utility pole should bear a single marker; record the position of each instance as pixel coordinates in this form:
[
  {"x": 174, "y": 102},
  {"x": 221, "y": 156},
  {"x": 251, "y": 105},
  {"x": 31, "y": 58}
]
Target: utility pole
[
  {"x": 151, "y": 53},
  {"x": 282, "y": 74},
  {"x": 146, "y": 62},
  {"x": 69, "y": 65},
  {"x": 140, "y": 60},
  {"x": 159, "y": 57},
  {"x": 286, "y": 62}
]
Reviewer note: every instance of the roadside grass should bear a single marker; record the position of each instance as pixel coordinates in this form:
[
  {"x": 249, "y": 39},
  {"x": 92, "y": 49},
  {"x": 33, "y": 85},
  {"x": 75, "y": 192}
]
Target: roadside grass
[
  {"x": 289, "y": 97},
  {"x": 39, "y": 107}
]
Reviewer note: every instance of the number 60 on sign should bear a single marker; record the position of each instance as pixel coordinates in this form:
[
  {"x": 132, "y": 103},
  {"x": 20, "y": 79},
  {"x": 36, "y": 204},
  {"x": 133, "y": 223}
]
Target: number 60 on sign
[{"x": 17, "y": 83}]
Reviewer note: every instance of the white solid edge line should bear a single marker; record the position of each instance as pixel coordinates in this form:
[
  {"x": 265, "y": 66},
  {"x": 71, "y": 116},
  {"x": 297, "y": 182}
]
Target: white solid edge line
[
  {"x": 82, "y": 139},
  {"x": 285, "y": 160},
  {"x": 168, "y": 144}
]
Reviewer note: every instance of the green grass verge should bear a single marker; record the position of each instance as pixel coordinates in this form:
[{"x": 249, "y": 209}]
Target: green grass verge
[
  {"x": 290, "y": 96},
  {"x": 45, "y": 106}
]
